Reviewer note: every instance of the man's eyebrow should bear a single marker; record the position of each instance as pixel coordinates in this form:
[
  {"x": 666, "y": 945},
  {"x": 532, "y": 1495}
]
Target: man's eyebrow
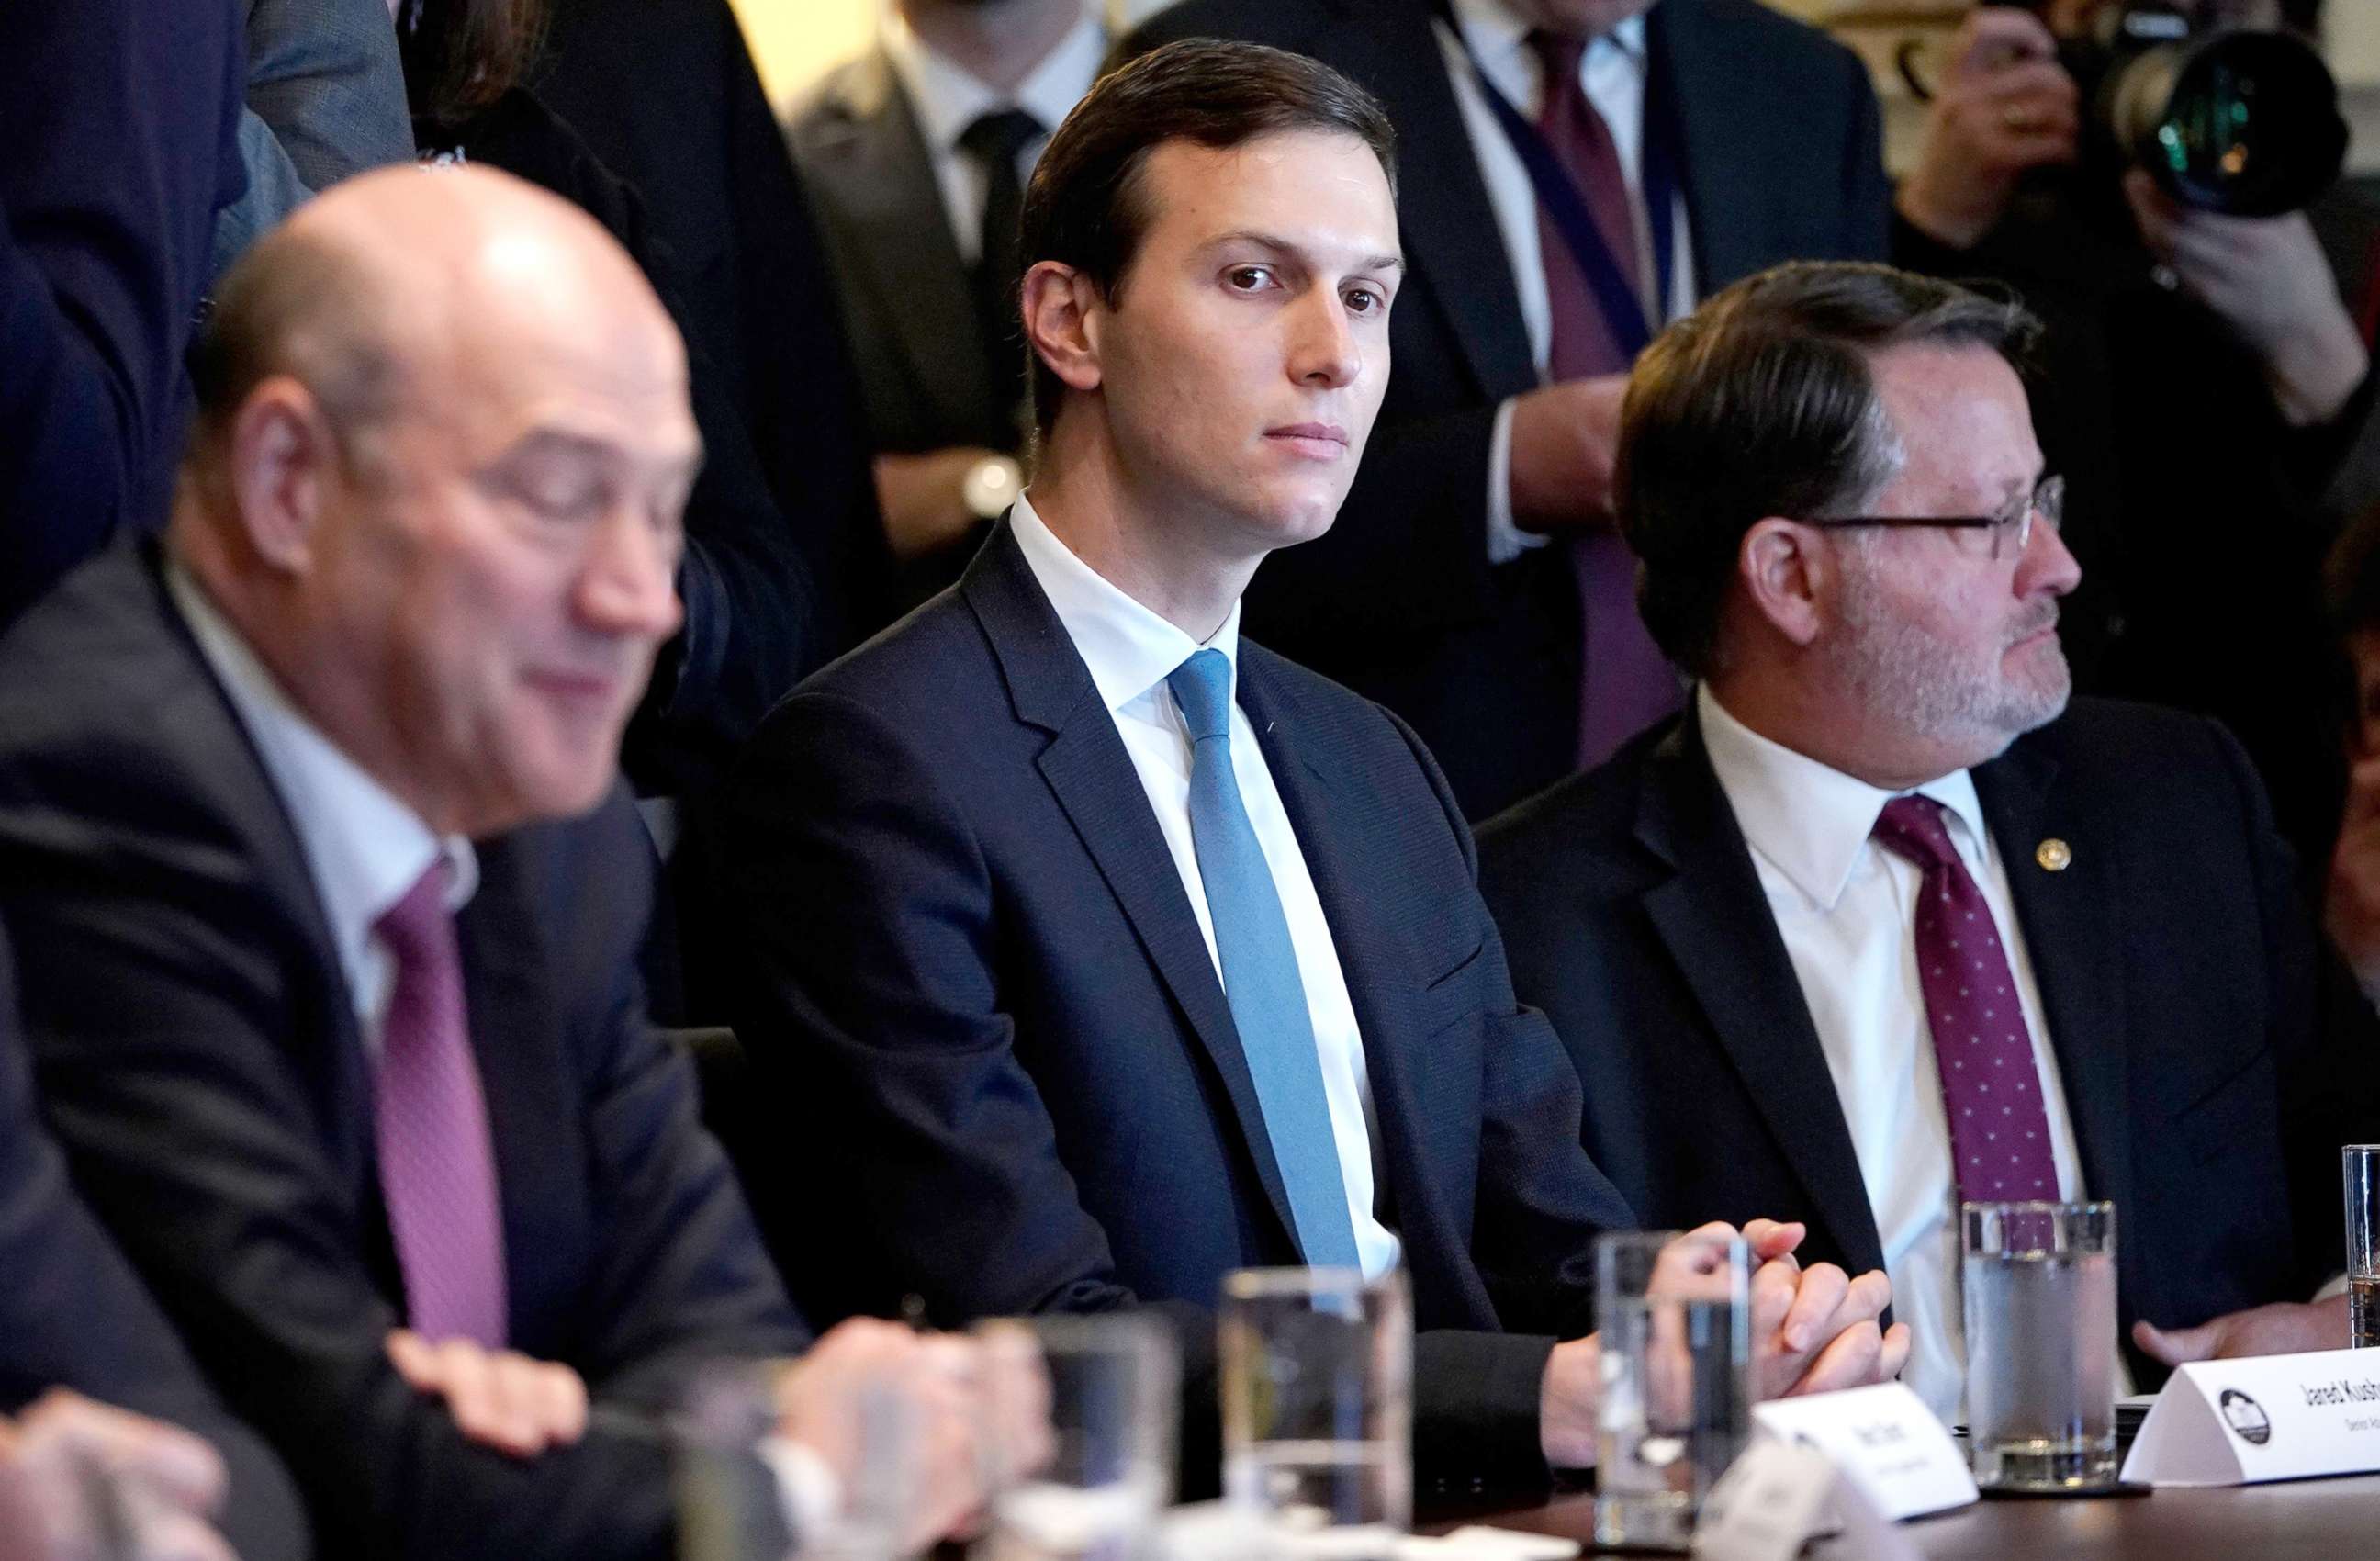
[{"x": 1290, "y": 247}]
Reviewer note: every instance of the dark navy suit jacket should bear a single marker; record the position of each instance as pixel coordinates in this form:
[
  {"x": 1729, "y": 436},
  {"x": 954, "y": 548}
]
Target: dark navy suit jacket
[
  {"x": 74, "y": 1314},
  {"x": 2214, "y": 1056},
  {"x": 119, "y": 117},
  {"x": 199, "y": 1063},
  {"x": 977, "y": 969}
]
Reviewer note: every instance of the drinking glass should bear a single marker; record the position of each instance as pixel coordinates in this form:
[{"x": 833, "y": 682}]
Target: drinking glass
[
  {"x": 1317, "y": 1410},
  {"x": 2040, "y": 1293},
  {"x": 2360, "y": 1167},
  {"x": 1079, "y": 1432},
  {"x": 1675, "y": 1320},
  {"x": 729, "y": 1505}
]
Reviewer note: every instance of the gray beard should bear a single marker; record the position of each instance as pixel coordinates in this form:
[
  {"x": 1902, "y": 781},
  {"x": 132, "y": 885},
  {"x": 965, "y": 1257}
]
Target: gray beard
[{"x": 1897, "y": 669}]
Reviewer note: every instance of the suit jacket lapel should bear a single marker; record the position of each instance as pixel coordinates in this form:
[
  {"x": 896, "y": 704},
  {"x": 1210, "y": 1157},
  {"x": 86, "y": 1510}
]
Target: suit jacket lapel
[
  {"x": 883, "y": 184},
  {"x": 1713, "y": 916},
  {"x": 1088, "y": 769},
  {"x": 1691, "y": 65},
  {"x": 2070, "y": 919},
  {"x": 1451, "y": 234}
]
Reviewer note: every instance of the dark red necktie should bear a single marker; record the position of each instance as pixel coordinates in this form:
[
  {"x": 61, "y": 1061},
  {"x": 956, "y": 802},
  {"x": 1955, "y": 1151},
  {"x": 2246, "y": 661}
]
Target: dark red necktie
[
  {"x": 1625, "y": 683},
  {"x": 1999, "y": 1128}
]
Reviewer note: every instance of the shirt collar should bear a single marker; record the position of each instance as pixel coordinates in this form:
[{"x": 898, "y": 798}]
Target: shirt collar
[
  {"x": 364, "y": 848},
  {"x": 1494, "y": 31},
  {"x": 1808, "y": 820},
  {"x": 1129, "y": 649},
  {"x": 946, "y": 99}
]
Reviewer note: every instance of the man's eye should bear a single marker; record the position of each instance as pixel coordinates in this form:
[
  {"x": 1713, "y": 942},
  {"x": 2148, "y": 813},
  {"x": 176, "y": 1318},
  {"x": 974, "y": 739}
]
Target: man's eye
[
  {"x": 1363, "y": 300},
  {"x": 1249, "y": 279}
]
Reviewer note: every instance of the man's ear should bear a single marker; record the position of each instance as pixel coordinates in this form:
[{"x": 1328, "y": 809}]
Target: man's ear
[
  {"x": 283, "y": 459},
  {"x": 1786, "y": 574},
  {"x": 1059, "y": 304}
]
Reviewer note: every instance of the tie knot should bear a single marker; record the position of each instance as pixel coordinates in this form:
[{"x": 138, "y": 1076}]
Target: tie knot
[
  {"x": 1202, "y": 687},
  {"x": 1558, "y": 54},
  {"x": 996, "y": 139},
  {"x": 413, "y": 925},
  {"x": 1912, "y": 826}
]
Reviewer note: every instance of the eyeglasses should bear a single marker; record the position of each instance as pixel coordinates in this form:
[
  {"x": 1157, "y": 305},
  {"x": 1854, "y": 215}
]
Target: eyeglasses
[{"x": 2010, "y": 529}]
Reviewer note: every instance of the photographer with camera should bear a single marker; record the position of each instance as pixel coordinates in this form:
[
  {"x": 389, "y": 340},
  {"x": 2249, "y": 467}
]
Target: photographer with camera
[{"x": 2202, "y": 384}]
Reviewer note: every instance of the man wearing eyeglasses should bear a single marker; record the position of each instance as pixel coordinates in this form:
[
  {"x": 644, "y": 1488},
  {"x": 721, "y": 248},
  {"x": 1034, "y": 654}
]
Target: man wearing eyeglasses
[{"x": 1883, "y": 921}]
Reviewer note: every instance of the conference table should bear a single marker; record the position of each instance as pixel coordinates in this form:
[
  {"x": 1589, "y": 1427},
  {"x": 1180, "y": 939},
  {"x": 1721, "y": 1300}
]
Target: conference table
[{"x": 2332, "y": 1519}]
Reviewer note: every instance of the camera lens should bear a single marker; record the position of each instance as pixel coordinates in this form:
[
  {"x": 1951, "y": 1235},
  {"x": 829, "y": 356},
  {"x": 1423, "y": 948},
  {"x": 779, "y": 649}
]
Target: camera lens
[{"x": 2242, "y": 123}]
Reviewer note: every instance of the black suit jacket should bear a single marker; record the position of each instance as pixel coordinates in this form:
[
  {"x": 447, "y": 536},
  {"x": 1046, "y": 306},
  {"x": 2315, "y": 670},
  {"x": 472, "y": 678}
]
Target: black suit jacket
[
  {"x": 977, "y": 962},
  {"x": 199, "y": 1063},
  {"x": 121, "y": 119},
  {"x": 74, "y": 1314},
  {"x": 2213, "y": 1057},
  {"x": 1783, "y": 160}
]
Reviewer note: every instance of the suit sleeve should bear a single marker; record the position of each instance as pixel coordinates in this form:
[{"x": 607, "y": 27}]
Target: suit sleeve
[
  {"x": 871, "y": 919},
  {"x": 159, "y": 1037},
  {"x": 683, "y": 1277},
  {"x": 2324, "y": 1036},
  {"x": 122, "y": 117},
  {"x": 1541, "y": 1202},
  {"x": 74, "y": 1314}
]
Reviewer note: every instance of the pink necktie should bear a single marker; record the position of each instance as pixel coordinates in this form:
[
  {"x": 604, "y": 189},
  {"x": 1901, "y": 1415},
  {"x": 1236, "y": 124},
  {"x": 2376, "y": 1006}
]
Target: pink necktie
[
  {"x": 1625, "y": 683},
  {"x": 1999, "y": 1129},
  {"x": 437, "y": 1163}
]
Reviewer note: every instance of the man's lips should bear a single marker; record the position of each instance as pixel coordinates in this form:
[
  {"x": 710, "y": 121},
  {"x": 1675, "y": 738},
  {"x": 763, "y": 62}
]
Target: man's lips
[
  {"x": 1317, "y": 442},
  {"x": 575, "y": 686}
]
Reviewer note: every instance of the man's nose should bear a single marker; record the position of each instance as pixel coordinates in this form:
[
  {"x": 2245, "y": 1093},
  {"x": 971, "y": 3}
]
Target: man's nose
[{"x": 629, "y": 583}]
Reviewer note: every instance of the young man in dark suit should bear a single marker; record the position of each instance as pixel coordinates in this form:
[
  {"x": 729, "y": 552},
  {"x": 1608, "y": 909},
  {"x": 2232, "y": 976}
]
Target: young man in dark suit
[
  {"x": 1474, "y": 585},
  {"x": 1100, "y": 952},
  {"x": 1881, "y": 924},
  {"x": 327, "y": 898}
]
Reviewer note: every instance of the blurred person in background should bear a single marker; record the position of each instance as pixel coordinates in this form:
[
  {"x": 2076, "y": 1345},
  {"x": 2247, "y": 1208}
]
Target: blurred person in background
[
  {"x": 1579, "y": 171},
  {"x": 918, "y": 152},
  {"x": 2202, "y": 384},
  {"x": 121, "y": 118}
]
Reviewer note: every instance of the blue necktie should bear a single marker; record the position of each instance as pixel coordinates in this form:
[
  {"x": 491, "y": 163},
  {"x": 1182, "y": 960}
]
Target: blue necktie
[{"x": 1259, "y": 964}]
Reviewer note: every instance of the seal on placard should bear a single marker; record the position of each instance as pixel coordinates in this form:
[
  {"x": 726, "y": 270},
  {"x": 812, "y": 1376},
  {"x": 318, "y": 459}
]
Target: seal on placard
[{"x": 2246, "y": 1418}]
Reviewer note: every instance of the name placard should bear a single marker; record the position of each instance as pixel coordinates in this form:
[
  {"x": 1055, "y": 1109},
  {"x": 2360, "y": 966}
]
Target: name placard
[
  {"x": 1778, "y": 1496},
  {"x": 2270, "y": 1416},
  {"x": 1883, "y": 1439}
]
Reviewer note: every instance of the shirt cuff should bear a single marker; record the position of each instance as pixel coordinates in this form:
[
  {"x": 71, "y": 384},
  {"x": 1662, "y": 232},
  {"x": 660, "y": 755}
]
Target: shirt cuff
[
  {"x": 1506, "y": 541},
  {"x": 810, "y": 1492},
  {"x": 2331, "y": 1290}
]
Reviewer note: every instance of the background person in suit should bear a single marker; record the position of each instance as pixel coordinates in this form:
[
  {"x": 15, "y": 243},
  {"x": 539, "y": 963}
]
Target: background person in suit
[
  {"x": 330, "y": 896},
  {"x": 1880, "y": 924},
  {"x": 1114, "y": 953},
  {"x": 325, "y": 100},
  {"x": 124, "y": 115},
  {"x": 918, "y": 152},
  {"x": 1475, "y": 572},
  {"x": 76, "y": 1324}
]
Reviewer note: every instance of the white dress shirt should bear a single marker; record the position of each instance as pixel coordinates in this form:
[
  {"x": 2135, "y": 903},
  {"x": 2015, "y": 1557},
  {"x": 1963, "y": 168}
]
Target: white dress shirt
[
  {"x": 1129, "y": 650},
  {"x": 1845, "y": 907},
  {"x": 1612, "y": 72},
  {"x": 364, "y": 848},
  {"x": 947, "y": 99}
]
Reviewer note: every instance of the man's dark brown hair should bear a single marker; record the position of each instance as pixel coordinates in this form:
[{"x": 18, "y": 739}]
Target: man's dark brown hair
[
  {"x": 1761, "y": 403},
  {"x": 1085, "y": 207}
]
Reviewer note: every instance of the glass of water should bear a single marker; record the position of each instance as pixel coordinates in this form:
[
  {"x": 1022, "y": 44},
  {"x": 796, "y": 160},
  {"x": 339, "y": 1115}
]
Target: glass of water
[
  {"x": 2040, "y": 1293},
  {"x": 730, "y": 1506},
  {"x": 1675, "y": 1322},
  {"x": 2360, "y": 1167},
  {"x": 1079, "y": 1430},
  {"x": 1317, "y": 1410}
]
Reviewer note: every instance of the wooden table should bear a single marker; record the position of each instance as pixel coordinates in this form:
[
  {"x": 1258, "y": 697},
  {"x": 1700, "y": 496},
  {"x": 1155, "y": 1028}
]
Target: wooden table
[{"x": 2313, "y": 1520}]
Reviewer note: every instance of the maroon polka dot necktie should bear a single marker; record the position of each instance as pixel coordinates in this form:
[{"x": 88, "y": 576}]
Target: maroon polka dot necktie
[{"x": 1999, "y": 1129}]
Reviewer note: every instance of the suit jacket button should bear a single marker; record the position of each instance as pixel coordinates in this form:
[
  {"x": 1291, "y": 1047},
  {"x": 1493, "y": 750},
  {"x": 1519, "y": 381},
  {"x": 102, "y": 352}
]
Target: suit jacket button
[{"x": 2053, "y": 854}]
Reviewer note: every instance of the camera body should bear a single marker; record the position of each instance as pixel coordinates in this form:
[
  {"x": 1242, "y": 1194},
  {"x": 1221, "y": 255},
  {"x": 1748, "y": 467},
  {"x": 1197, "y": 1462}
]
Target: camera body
[{"x": 2235, "y": 120}]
